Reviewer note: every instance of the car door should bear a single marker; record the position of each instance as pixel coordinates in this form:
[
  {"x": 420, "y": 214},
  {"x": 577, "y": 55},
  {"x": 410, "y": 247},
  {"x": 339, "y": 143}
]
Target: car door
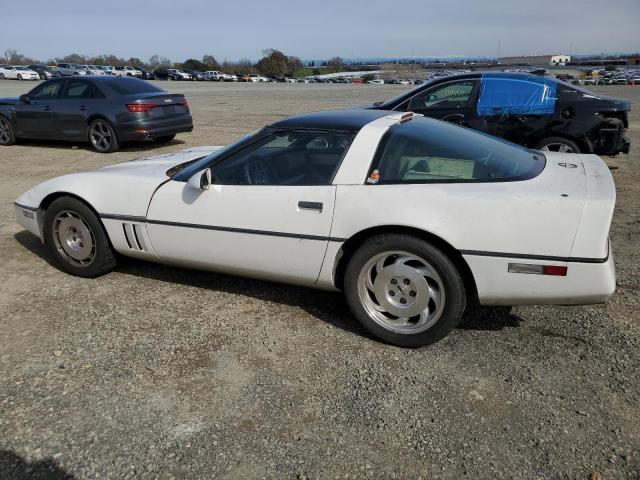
[
  {"x": 34, "y": 115},
  {"x": 70, "y": 117},
  {"x": 267, "y": 213},
  {"x": 517, "y": 108},
  {"x": 451, "y": 101}
]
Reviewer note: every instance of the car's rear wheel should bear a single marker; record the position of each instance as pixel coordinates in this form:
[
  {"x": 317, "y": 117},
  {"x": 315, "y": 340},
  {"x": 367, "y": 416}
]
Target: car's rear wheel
[
  {"x": 2, "y": 76},
  {"x": 7, "y": 137},
  {"x": 76, "y": 239},
  {"x": 558, "y": 144},
  {"x": 404, "y": 290},
  {"x": 102, "y": 136},
  {"x": 164, "y": 138}
]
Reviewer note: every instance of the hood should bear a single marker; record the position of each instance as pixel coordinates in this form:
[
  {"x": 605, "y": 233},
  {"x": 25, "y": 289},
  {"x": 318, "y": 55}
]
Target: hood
[
  {"x": 9, "y": 101},
  {"x": 614, "y": 104},
  {"x": 121, "y": 189}
]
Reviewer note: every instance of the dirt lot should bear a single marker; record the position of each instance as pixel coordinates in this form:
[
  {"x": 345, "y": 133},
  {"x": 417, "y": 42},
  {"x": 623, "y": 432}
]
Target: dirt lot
[{"x": 158, "y": 372}]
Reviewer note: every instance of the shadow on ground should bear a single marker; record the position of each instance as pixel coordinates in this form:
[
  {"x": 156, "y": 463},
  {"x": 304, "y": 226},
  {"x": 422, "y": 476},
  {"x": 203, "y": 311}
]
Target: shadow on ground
[
  {"x": 125, "y": 147},
  {"x": 14, "y": 467},
  {"x": 329, "y": 307}
]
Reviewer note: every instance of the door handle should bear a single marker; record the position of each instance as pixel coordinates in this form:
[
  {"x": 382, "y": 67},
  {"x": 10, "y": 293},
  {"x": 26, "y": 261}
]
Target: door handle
[
  {"x": 83, "y": 108},
  {"x": 310, "y": 206}
]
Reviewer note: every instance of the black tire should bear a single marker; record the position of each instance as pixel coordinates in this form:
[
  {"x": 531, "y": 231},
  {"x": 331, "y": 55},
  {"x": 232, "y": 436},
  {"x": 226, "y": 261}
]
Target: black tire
[
  {"x": 558, "y": 144},
  {"x": 19, "y": 76},
  {"x": 164, "y": 138},
  {"x": 102, "y": 136},
  {"x": 67, "y": 217},
  {"x": 7, "y": 135},
  {"x": 450, "y": 284}
]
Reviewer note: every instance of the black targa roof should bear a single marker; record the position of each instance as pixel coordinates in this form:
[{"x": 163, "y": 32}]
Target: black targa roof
[{"x": 349, "y": 120}]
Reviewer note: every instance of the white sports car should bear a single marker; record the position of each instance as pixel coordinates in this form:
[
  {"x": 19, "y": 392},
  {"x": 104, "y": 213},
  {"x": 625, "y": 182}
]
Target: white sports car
[{"x": 411, "y": 217}]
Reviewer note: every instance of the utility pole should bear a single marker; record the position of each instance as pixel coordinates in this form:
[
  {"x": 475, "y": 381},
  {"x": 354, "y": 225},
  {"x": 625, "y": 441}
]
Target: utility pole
[{"x": 499, "y": 46}]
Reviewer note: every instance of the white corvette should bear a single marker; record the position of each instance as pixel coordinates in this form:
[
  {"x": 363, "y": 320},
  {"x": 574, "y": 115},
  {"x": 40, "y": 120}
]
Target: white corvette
[{"x": 411, "y": 217}]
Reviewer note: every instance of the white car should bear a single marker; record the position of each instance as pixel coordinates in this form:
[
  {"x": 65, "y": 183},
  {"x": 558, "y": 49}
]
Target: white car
[
  {"x": 254, "y": 77},
  {"x": 411, "y": 217},
  {"x": 18, "y": 72},
  {"x": 95, "y": 69},
  {"x": 376, "y": 81},
  {"x": 126, "y": 71}
]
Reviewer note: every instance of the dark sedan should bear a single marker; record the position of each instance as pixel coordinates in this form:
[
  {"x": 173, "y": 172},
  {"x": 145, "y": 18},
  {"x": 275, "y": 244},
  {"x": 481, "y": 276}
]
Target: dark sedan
[
  {"x": 535, "y": 111},
  {"x": 103, "y": 110}
]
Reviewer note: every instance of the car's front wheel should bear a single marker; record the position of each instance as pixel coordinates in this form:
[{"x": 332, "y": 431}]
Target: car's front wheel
[
  {"x": 19, "y": 76},
  {"x": 404, "y": 290},
  {"x": 558, "y": 144},
  {"x": 102, "y": 136},
  {"x": 7, "y": 137},
  {"x": 76, "y": 239}
]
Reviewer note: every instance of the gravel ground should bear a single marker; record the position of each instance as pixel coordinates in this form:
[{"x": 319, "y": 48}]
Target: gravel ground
[{"x": 159, "y": 372}]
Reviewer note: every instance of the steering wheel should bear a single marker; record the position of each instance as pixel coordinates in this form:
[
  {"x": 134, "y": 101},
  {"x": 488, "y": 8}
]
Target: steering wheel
[{"x": 258, "y": 172}]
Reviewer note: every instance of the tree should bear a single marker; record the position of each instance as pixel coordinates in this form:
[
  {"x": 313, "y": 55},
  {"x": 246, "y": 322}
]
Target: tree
[
  {"x": 193, "y": 64},
  {"x": 156, "y": 61},
  {"x": 135, "y": 62},
  {"x": 293, "y": 64},
  {"x": 335, "y": 62},
  {"x": 243, "y": 67},
  {"x": 15, "y": 58},
  {"x": 273, "y": 63},
  {"x": 211, "y": 62},
  {"x": 73, "y": 58}
]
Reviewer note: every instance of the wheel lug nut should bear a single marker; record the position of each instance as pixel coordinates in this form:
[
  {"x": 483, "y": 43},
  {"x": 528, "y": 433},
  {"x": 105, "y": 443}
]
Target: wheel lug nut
[
  {"x": 392, "y": 293},
  {"x": 403, "y": 300},
  {"x": 412, "y": 293},
  {"x": 406, "y": 281},
  {"x": 393, "y": 281}
]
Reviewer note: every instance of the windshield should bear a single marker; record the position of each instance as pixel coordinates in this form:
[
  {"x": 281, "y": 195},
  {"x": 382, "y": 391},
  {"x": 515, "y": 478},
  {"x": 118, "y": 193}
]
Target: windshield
[
  {"x": 185, "y": 170},
  {"x": 22, "y": 68}
]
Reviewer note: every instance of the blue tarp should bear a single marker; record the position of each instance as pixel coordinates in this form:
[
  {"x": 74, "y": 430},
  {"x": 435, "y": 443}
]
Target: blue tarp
[{"x": 505, "y": 95}]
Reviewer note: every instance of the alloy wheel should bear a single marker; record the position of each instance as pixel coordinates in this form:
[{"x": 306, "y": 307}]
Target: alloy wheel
[
  {"x": 401, "y": 292},
  {"x": 558, "y": 147},
  {"x": 5, "y": 131},
  {"x": 73, "y": 238},
  {"x": 101, "y": 135}
]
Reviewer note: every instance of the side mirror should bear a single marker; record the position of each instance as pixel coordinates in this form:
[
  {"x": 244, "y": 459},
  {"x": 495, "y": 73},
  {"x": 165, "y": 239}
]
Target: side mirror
[
  {"x": 201, "y": 180},
  {"x": 25, "y": 98}
]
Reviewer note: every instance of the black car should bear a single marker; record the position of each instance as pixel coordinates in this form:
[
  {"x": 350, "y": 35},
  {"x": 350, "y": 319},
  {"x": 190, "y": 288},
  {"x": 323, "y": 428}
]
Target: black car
[
  {"x": 195, "y": 74},
  {"x": 103, "y": 110},
  {"x": 44, "y": 71},
  {"x": 167, "y": 74},
  {"x": 146, "y": 74},
  {"x": 535, "y": 111}
]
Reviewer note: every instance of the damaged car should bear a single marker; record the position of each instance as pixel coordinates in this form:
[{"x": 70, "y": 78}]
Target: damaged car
[{"x": 535, "y": 111}]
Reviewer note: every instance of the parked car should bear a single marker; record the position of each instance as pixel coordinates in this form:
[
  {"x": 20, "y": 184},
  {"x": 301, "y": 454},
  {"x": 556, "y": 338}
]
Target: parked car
[
  {"x": 313, "y": 200},
  {"x": 43, "y": 71},
  {"x": 70, "y": 69},
  {"x": 243, "y": 78},
  {"x": 93, "y": 69},
  {"x": 537, "y": 112},
  {"x": 127, "y": 71},
  {"x": 254, "y": 77},
  {"x": 146, "y": 74},
  {"x": 18, "y": 72},
  {"x": 195, "y": 74},
  {"x": 166, "y": 74},
  {"x": 104, "y": 110},
  {"x": 106, "y": 69},
  {"x": 214, "y": 76},
  {"x": 376, "y": 81}
]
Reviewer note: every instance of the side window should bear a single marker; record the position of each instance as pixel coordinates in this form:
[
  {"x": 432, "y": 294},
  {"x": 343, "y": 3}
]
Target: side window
[
  {"x": 47, "y": 90},
  {"x": 78, "y": 89},
  {"x": 523, "y": 96},
  {"x": 425, "y": 150},
  {"x": 286, "y": 158},
  {"x": 449, "y": 95}
]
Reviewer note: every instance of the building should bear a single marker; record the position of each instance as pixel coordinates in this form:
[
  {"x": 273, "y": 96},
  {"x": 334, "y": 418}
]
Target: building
[{"x": 535, "y": 60}]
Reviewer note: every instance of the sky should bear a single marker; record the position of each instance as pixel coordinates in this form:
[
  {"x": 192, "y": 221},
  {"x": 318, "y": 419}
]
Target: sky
[{"x": 318, "y": 29}]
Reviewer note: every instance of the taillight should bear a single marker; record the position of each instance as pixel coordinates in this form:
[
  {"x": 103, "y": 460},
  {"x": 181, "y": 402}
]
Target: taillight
[
  {"x": 140, "y": 107},
  {"x": 184, "y": 104}
]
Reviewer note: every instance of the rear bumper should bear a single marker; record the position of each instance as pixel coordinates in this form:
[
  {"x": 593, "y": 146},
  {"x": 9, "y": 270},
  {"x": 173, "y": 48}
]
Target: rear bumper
[
  {"x": 585, "y": 282},
  {"x": 150, "y": 129}
]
